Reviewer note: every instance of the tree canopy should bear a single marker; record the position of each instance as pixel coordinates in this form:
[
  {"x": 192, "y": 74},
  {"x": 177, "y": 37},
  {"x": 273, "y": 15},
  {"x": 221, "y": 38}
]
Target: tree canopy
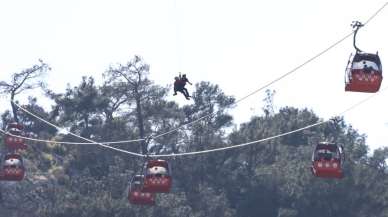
[{"x": 269, "y": 179}]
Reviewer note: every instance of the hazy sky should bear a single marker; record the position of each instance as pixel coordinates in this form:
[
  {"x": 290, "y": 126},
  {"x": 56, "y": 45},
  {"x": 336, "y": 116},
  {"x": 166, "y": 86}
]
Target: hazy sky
[{"x": 238, "y": 44}]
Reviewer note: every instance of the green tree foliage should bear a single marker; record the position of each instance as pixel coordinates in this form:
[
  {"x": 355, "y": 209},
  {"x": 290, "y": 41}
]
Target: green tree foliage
[{"x": 270, "y": 179}]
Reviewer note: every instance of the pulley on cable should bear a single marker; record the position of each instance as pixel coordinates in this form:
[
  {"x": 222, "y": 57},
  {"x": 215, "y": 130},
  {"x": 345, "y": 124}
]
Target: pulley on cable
[
  {"x": 327, "y": 160},
  {"x": 364, "y": 71}
]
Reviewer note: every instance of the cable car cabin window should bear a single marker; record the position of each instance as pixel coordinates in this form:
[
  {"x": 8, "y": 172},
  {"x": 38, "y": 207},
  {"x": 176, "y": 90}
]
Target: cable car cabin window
[
  {"x": 327, "y": 153},
  {"x": 324, "y": 154},
  {"x": 15, "y": 131},
  {"x": 374, "y": 58},
  {"x": 13, "y": 160},
  {"x": 157, "y": 168},
  {"x": 366, "y": 66},
  {"x": 367, "y": 63},
  {"x": 15, "y": 125},
  {"x": 137, "y": 183}
]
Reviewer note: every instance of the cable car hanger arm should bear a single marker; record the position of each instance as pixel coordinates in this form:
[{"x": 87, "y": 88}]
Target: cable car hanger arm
[{"x": 356, "y": 26}]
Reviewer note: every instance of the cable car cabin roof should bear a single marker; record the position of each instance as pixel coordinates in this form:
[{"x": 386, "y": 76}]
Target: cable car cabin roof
[{"x": 157, "y": 163}]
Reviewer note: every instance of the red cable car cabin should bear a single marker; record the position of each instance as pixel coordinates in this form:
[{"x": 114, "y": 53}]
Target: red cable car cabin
[
  {"x": 136, "y": 195},
  {"x": 157, "y": 177},
  {"x": 327, "y": 160},
  {"x": 364, "y": 73},
  {"x": 14, "y": 142},
  {"x": 13, "y": 168}
]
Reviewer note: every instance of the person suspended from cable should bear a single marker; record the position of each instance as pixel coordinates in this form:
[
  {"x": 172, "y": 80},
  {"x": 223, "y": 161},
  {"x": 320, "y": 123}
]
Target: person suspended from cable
[
  {"x": 179, "y": 85},
  {"x": 185, "y": 80}
]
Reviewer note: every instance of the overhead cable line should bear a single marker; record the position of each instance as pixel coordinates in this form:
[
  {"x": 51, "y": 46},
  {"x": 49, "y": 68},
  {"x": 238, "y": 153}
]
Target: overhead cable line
[
  {"x": 64, "y": 142},
  {"x": 245, "y": 97},
  {"x": 78, "y": 136},
  {"x": 241, "y": 99},
  {"x": 261, "y": 88},
  {"x": 215, "y": 149},
  {"x": 375, "y": 14},
  {"x": 280, "y": 77},
  {"x": 272, "y": 137}
]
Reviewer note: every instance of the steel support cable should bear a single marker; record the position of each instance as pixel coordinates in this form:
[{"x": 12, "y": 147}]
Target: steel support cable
[
  {"x": 375, "y": 14},
  {"x": 280, "y": 77},
  {"x": 216, "y": 149},
  {"x": 78, "y": 136},
  {"x": 272, "y": 137},
  {"x": 243, "y": 98},
  {"x": 263, "y": 87},
  {"x": 59, "y": 142},
  {"x": 66, "y": 142}
]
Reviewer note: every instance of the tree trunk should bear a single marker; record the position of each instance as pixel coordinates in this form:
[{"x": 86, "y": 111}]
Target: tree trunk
[
  {"x": 86, "y": 132},
  {"x": 109, "y": 117},
  {"x": 14, "y": 108},
  {"x": 140, "y": 122}
]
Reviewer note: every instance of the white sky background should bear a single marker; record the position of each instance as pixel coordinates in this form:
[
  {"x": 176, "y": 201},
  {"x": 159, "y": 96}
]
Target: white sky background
[{"x": 238, "y": 44}]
